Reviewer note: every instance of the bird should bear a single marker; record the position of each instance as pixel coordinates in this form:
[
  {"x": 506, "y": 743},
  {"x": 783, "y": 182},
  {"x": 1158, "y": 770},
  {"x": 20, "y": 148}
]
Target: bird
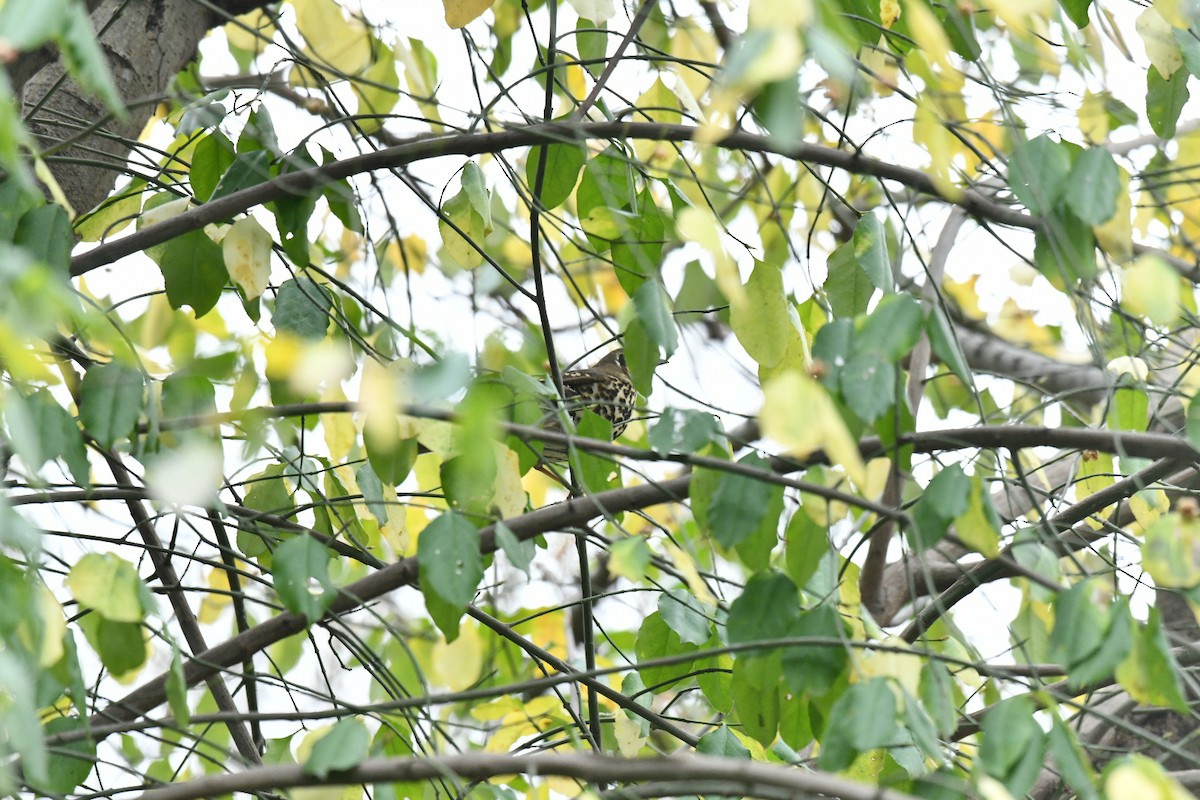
[{"x": 605, "y": 388}]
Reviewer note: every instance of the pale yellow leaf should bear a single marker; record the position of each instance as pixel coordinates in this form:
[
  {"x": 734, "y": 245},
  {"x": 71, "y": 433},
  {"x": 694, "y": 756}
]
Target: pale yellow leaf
[
  {"x": 904, "y": 668},
  {"x": 692, "y": 44},
  {"x": 340, "y": 433},
  {"x": 798, "y": 413},
  {"x": 1139, "y": 778},
  {"x": 218, "y": 599},
  {"x": 457, "y": 665},
  {"x": 928, "y": 33},
  {"x": 251, "y": 31},
  {"x": 1179, "y": 13},
  {"x": 700, "y": 226},
  {"x": 629, "y": 736},
  {"x": 107, "y": 584},
  {"x": 378, "y": 91},
  {"x": 460, "y": 13},
  {"x": 1158, "y": 37},
  {"x": 889, "y": 12},
  {"x": 1093, "y": 117},
  {"x": 333, "y": 39},
  {"x": 595, "y": 10},
  {"x": 930, "y": 133},
  {"x": 1151, "y": 289},
  {"x": 45, "y": 634},
  {"x": 686, "y": 565},
  {"x": 247, "y": 251}
]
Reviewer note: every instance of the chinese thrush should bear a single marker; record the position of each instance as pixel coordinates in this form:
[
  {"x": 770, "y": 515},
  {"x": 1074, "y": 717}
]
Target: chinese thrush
[{"x": 604, "y": 388}]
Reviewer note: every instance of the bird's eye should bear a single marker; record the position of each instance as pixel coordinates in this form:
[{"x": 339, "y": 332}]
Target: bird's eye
[{"x": 621, "y": 360}]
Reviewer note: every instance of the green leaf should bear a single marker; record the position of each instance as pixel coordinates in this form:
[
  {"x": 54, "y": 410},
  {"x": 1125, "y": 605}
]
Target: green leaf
[
  {"x": 656, "y": 639},
  {"x": 871, "y": 253},
  {"x": 300, "y": 567},
  {"x": 467, "y": 479},
  {"x": 946, "y": 497},
  {"x": 721, "y": 742},
  {"x": 108, "y": 585},
  {"x": 450, "y": 568},
  {"x": 372, "y": 491},
  {"x": 814, "y": 669},
  {"x": 1072, "y": 762},
  {"x": 302, "y": 308},
  {"x": 868, "y": 385},
  {"x": 1013, "y": 744},
  {"x": 1117, "y": 643},
  {"x": 607, "y": 182},
  {"x": 83, "y": 58},
  {"x": 979, "y": 526},
  {"x": 641, "y": 355},
  {"x": 1077, "y": 11},
  {"x": 893, "y": 327},
  {"x": 760, "y": 320},
  {"x": 45, "y": 233},
  {"x": 685, "y": 615},
  {"x": 1064, "y": 249},
  {"x": 756, "y": 690},
  {"x": 477, "y": 194},
  {"x": 211, "y": 159},
  {"x": 564, "y": 161},
  {"x": 1129, "y": 409},
  {"x": 679, "y": 430},
  {"x": 807, "y": 543},
  {"x": 1037, "y": 173},
  {"x": 653, "y": 308},
  {"x": 177, "y": 689},
  {"x": 193, "y": 269},
  {"x": 1079, "y": 624},
  {"x": 29, "y": 24},
  {"x": 463, "y": 230},
  {"x": 343, "y": 747},
  {"x": 244, "y": 170},
  {"x": 111, "y": 401},
  {"x": 120, "y": 645},
  {"x": 70, "y": 763},
  {"x": 1164, "y": 100},
  {"x": 847, "y": 284},
  {"x": 1168, "y": 551},
  {"x": 767, "y": 608},
  {"x": 520, "y": 553},
  {"x": 1150, "y": 673},
  {"x": 739, "y": 505},
  {"x": 596, "y": 472},
  {"x": 863, "y": 718},
  {"x": 1093, "y": 185},
  {"x": 41, "y": 430},
  {"x": 945, "y": 344}
]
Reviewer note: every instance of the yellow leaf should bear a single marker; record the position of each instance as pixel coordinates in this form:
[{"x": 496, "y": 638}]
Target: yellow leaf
[
  {"x": 1115, "y": 237},
  {"x": 798, "y": 413},
  {"x": 692, "y": 44},
  {"x": 251, "y": 31},
  {"x": 1096, "y": 471},
  {"x": 457, "y": 665},
  {"x": 974, "y": 527},
  {"x": 930, "y": 133},
  {"x": 889, "y": 12},
  {"x": 107, "y": 584},
  {"x": 332, "y": 39},
  {"x": 686, "y": 565},
  {"x": 340, "y": 433},
  {"x": 1158, "y": 37},
  {"x": 247, "y": 251},
  {"x": 1179, "y": 13},
  {"x": 378, "y": 91},
  {"x": 1093, "y": 117},
  {"x": 928, "y": 33},
  {"x": 902, "y": 667},
  {"x": 460, "y": 13},
  {"x": 50, "y": 626},
  {"x": 629, "y": 736},
  {"x": 1151, "y": 289},
  {"x": 112, "y": 216},
  {"x": 699, "y": 225},
  {"x": 218, "y": 600},
  {"x": 1139, "y": 778}
]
